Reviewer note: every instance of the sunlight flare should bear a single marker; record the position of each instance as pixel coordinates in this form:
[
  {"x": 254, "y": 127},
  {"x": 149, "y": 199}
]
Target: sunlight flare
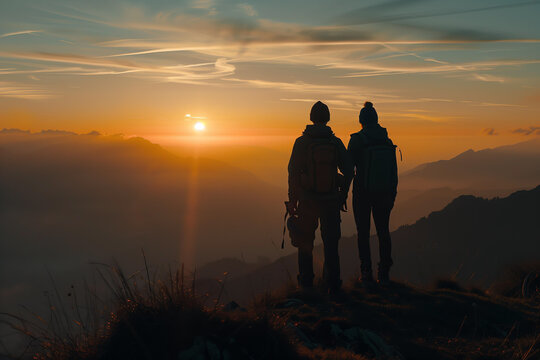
[{"x": 199, "y": 126}]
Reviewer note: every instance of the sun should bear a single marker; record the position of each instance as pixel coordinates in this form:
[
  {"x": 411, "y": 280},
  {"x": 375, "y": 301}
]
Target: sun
[{"x": 199, "y": 126}]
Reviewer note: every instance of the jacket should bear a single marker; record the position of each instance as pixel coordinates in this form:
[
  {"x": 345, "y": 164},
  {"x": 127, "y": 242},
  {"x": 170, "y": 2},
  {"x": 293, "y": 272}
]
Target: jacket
[
  {"x": 374, "y": 133},
  {"x": 298, "y": 162}
]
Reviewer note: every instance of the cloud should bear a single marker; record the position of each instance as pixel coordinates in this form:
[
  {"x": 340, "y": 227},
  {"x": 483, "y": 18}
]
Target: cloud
[
  {"x": 108, "y": 66},
  {"x": 249, "y": 31},
  {"x": 258, "y": 40},
  {"x": 298, "y": 86},
  {"x": 20, "y": 33},
  {"x": 248, "y": 9},
  {"x": 490, "y": 131},
  {"x": 335, "y": 104},
  {"x": 488, "y": 78},
  {"x": 369, "y": 15},
  {"x": 401, "y": 22},
  {"x": 377, "y": 68},
  {"x": 341, "y": 97},
  {"x": 162, "y": 46},
  {"x": 21, "y": 91},
  {"x": 452, "y": 35},
  {"x": 190, "y": 117},
  {"x": 70, "y": 58},
  {"x": 422, "y": 116},
  {"x": 354, "y": 98},
  {"x": 165, "y": 49},
  {"x": 257, "y": 31},
  {"x": 222, "y": 66},
  {"x": 202, "y": 4},
  {"x": 531, "y": 130},
  {"x": 497, "y": 104}
]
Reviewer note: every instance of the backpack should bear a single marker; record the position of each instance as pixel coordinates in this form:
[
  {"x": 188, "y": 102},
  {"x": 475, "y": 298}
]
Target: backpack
[
  {"x": 321, "y": 173},
  {"x": 380, "y": 165}
]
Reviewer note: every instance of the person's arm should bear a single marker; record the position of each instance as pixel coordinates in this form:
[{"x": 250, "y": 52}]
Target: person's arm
[
  {"x": 352, "y": 150},
  {"x": 391, "y": 143},
  {"x": 356, "y": 152},
  {"x": 346, "y": 167}
]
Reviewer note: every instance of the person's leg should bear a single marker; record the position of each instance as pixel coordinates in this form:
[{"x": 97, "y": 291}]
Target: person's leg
[
  {"x": 382, "y": 207},
  {"x": 305, "y": 266},
  {"x": 308, "y": 222},
  {"x": 330, "y": 219},
  {"x": 362, "y": 218}
]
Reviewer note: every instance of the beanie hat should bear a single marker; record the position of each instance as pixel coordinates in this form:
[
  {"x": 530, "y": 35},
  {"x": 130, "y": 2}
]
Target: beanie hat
[
  {"x": 319, "y": 113},
  {"x": 368, "y": 115}
]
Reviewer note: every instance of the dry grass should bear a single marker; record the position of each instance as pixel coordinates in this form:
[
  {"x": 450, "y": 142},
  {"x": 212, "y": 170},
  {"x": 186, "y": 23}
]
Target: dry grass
[
  {"x": 160, "y": 316},
  {"x": 151, "y": 316}
]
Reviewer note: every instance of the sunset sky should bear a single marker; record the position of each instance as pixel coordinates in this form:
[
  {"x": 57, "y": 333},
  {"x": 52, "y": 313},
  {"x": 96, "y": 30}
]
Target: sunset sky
[{"x": 444, "y": 76}]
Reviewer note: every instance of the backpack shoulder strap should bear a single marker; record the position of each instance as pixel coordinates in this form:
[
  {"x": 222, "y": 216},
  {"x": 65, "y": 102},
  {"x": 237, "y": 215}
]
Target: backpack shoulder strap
[{"x": 369, "y": 141}]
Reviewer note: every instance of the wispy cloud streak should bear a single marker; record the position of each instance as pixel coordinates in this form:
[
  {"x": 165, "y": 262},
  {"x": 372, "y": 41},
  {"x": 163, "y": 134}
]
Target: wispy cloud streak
[
  {"x": 219, "y": 68},
  {"x": 358, "y": 17},
  {"x": 25, "y": 32},
  {"x": 20, "y": 91},
  {"x": 531, "y": 130}
]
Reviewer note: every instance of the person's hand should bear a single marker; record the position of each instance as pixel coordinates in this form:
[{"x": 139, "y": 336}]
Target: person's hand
[
  {"x": 343, "y": 202},
  {"x": 292, "y": 206}
]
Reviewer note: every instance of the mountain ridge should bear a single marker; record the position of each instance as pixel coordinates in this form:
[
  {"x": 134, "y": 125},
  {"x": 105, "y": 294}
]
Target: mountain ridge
[
  {"x": 522, "y": 145},
  {"x": 448, "y": 243}
]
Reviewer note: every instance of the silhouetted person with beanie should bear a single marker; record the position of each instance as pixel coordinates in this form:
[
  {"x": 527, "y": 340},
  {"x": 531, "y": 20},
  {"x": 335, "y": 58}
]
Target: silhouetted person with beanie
[
  {"x": 317, "y": 192},
  {"x": 374, "y": 190}
]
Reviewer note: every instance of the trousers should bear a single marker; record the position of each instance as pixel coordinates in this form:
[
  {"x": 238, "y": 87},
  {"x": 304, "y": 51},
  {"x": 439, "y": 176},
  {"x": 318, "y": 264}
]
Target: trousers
[
  {"x": 310, "y": 214},
  {"x": 380, "y": 204}
]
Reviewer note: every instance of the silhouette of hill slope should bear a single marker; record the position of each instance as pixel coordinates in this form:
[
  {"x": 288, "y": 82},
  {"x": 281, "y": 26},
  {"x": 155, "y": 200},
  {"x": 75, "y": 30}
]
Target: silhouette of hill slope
[
  {"x": 68, "y": 199},
  {"x": 412, "y": 205},
  {"x": 472, "y": 238},
  {"x": 403, "y": 322}
]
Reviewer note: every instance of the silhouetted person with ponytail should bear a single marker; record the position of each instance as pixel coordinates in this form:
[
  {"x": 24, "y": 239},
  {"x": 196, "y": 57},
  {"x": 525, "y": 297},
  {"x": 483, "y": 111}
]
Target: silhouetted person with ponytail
[{"x": 374, "y": 190}]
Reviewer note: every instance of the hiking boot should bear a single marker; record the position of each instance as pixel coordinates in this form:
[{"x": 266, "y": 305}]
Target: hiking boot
[
  {"x": 383, "y": 277},
  {"x": 305, "y": 282},
  {"x": 331, "y": 287},
  {"x": 334, "y": 290},
  {"x": 305, "y": 285},
  {"x": 366, "y": 277}
]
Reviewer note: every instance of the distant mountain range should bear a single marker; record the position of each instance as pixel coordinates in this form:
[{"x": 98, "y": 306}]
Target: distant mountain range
[
  {"x": 471, "y": 240},
  {"x": 497, "y": 168},
  {"x": 487, "y": 173},
  {"x": 92, "y": 189},
  {"x": 68, "y": 199}
]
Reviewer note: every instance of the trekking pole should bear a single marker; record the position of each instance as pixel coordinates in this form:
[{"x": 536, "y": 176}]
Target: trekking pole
[{"x": 284, "y": 225}]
